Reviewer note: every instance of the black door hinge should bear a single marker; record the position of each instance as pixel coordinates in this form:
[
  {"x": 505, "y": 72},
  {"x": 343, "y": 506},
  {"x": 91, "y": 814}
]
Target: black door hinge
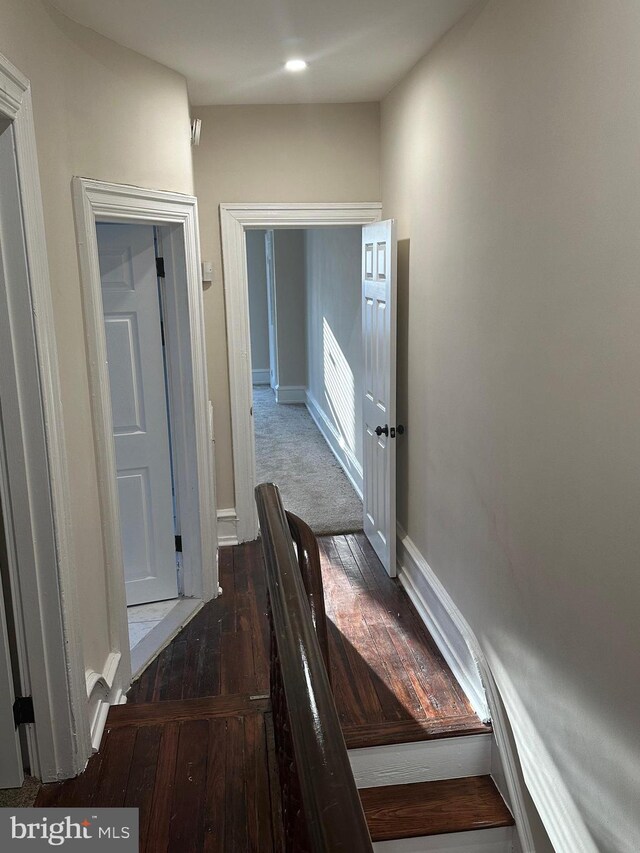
[
  {"x": 23, "y": 710},
  {"x": 179, "y": 544},
  {"x": 160, "y": 267}
]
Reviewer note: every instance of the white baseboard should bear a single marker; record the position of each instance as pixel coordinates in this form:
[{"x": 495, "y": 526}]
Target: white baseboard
[
  {"x": 290, "y": 393},
  {"x": 422, "y": 761},
  {"x": 350, "y": 465},
  {"x": 475, "y": 841},
  {"x": 461, "y": 650},
  {"x": 227, "y": 526},
  {"x": 442, "y": 619},
  {"x": 261, "y": 376},
  {"x": 103, "y": 690}
]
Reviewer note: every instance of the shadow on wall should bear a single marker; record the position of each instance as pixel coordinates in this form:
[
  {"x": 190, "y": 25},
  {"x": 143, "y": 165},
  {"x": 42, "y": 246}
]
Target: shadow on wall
[
  {"x": 339, "y": 387},
  {"x": 404, "y": 414}
]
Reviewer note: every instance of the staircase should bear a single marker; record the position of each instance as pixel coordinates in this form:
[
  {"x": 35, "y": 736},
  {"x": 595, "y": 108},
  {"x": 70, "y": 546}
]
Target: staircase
[
  {"x": 430, "y": 792},
  {"x": 435, "y": 795}
]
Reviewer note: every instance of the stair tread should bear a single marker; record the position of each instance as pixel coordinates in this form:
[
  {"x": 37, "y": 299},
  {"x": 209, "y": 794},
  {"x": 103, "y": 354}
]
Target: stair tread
[
  {"x": 434, "y": 808},
  {"x": 408, "y": 731}
]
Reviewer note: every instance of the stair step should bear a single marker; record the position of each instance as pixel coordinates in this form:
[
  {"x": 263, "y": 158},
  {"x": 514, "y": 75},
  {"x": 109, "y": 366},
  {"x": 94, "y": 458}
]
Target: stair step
[
  {"x": 409, "y": 731},
  {"x": 422, "y": 761},
  {"x": 433, "y": 808}
]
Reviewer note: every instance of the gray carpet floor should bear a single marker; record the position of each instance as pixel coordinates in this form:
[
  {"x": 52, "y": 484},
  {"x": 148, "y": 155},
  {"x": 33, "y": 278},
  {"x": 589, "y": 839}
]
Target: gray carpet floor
[{"x": 291, "y": 452}]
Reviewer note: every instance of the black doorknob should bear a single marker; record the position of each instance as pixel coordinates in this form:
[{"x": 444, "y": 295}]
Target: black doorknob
[{"x": 382, "y": 430}]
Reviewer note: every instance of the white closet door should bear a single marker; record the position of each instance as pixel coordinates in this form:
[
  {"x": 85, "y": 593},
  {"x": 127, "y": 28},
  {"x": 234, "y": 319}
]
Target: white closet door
[
  {"x": 379, "y": 391},
  {"x": 139, "y": 405}
]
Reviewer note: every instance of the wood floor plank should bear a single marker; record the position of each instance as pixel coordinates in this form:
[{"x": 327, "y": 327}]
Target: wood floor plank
[
  {"x": 257, "y": 785},
  {"x": 159, "y": 823},
  {"x": 142, "y": 776},
  {"x": 186, "y": 829},
  {"x": 434, "y": 808},
  {"x": 236, "y": 836},
  {"x": 112, "y": 782},
  {"x": 184, "y": 709},
  {"x": 214, "y": 824}
]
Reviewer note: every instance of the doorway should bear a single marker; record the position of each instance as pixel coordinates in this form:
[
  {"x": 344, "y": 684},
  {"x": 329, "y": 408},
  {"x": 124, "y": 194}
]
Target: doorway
[
  {"x": 144, "y": 322},
  {"x": 306, "y": 353},
  {"x": 379, "y": 347}
]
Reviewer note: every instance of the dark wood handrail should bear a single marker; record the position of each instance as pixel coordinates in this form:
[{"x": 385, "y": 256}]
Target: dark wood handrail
[
  {"x": 309, "y": 565},
  {"x": 323, "y": 812}
]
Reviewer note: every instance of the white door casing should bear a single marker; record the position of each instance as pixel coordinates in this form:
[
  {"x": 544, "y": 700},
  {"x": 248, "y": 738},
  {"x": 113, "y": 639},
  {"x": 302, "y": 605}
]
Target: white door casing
[
  {"x": 176, "y": 216},
  {"x": 271, "y": 310},
  {"x": 139, "y": 409},
  {"x": 379, "y": 388},
  {"x": 234, "y": 219},
  {"x": 37, "y": 505}
]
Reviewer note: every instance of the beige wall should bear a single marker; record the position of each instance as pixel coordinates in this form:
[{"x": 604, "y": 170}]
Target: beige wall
[
  {"x": 258, "y": 307},
  {"x": 321, "y": 152},
  {"x": 102, "y": 112},
  {"x": 510, "y": 158},
  {"x": 334, "y": 330}
]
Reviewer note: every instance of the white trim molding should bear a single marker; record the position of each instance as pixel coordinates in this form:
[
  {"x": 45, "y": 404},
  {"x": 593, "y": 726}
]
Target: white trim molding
[
  {"x": 227, "y": 526},
  {"x": 444, "y": 621},
  {"x": 290, "y": 393},
  {"x": 103, "y": 690},
  {"x": 261, "y": 376},
  {"x": 498, "y": 840},
  {"x": 461, "y": 649},
  {"x": 98, "y": 201},
  {"x": 345, "y": 456},
  {"x": 234, "y": 220},
  {"x": 59, "y": 743}
]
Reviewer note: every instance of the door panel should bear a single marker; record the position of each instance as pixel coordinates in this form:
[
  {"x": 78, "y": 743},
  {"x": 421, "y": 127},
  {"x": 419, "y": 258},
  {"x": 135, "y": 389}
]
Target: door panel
[
  {"x": 379, "y": 393},
  {"x": 139, "y": 407}
]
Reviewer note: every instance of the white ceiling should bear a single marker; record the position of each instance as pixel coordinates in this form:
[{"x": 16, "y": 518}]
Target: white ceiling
[{"x": 232, "y": 51}]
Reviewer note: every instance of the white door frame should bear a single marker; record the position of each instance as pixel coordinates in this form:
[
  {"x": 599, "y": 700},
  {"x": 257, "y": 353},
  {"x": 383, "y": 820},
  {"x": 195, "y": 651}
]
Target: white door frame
[
  {"x": 234, "y": 220},
  {"x": 45, "y": 602},
  {"x": 99, "y": 201}
]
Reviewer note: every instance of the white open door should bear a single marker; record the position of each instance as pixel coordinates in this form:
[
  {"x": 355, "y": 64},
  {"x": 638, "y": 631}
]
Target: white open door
[
  {"x": 379, "y": 388},
  {"x": 139, "y": 404}
]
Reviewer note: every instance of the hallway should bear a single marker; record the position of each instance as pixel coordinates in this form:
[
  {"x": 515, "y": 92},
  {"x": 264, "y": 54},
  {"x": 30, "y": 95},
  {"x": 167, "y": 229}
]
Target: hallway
[
  {"x": 193, "y": 748},
  {"x": 292, "y": 453}
]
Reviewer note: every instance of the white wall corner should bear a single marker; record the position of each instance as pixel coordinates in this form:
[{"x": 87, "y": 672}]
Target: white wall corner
[
  {"x": 460, "y": 648},
  {"x": 261, "y": 376},
  {"x": 103, "y": 690},
  {"x": 290, "y": 393},
  {"x": 227, "y": 526},
  {"x": 350, "y": 465}
]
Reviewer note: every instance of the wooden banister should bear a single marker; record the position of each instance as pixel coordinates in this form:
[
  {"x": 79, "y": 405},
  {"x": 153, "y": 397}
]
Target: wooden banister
[
  {"x": 322, "y": 812},
  {"x": 309, "y": 564}
]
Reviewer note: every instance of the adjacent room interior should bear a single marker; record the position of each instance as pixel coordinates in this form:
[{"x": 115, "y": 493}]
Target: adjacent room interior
[{"x": 306, "y": 355}]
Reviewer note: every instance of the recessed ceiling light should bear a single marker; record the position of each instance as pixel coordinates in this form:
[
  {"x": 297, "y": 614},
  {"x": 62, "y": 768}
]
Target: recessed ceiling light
[{"x": 295, "y": 65}]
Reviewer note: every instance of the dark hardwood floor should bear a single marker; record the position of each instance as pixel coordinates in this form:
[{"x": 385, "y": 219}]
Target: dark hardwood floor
[
  {"x": 191, "y": 748},
  {"x": 200, "y": 772},
  {"x": 390, "y": 682}
]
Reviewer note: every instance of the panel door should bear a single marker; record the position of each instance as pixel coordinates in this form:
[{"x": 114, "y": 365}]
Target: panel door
[
  {"x": 139, "y": 404},
  {"x": 379, "y": 388}
]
